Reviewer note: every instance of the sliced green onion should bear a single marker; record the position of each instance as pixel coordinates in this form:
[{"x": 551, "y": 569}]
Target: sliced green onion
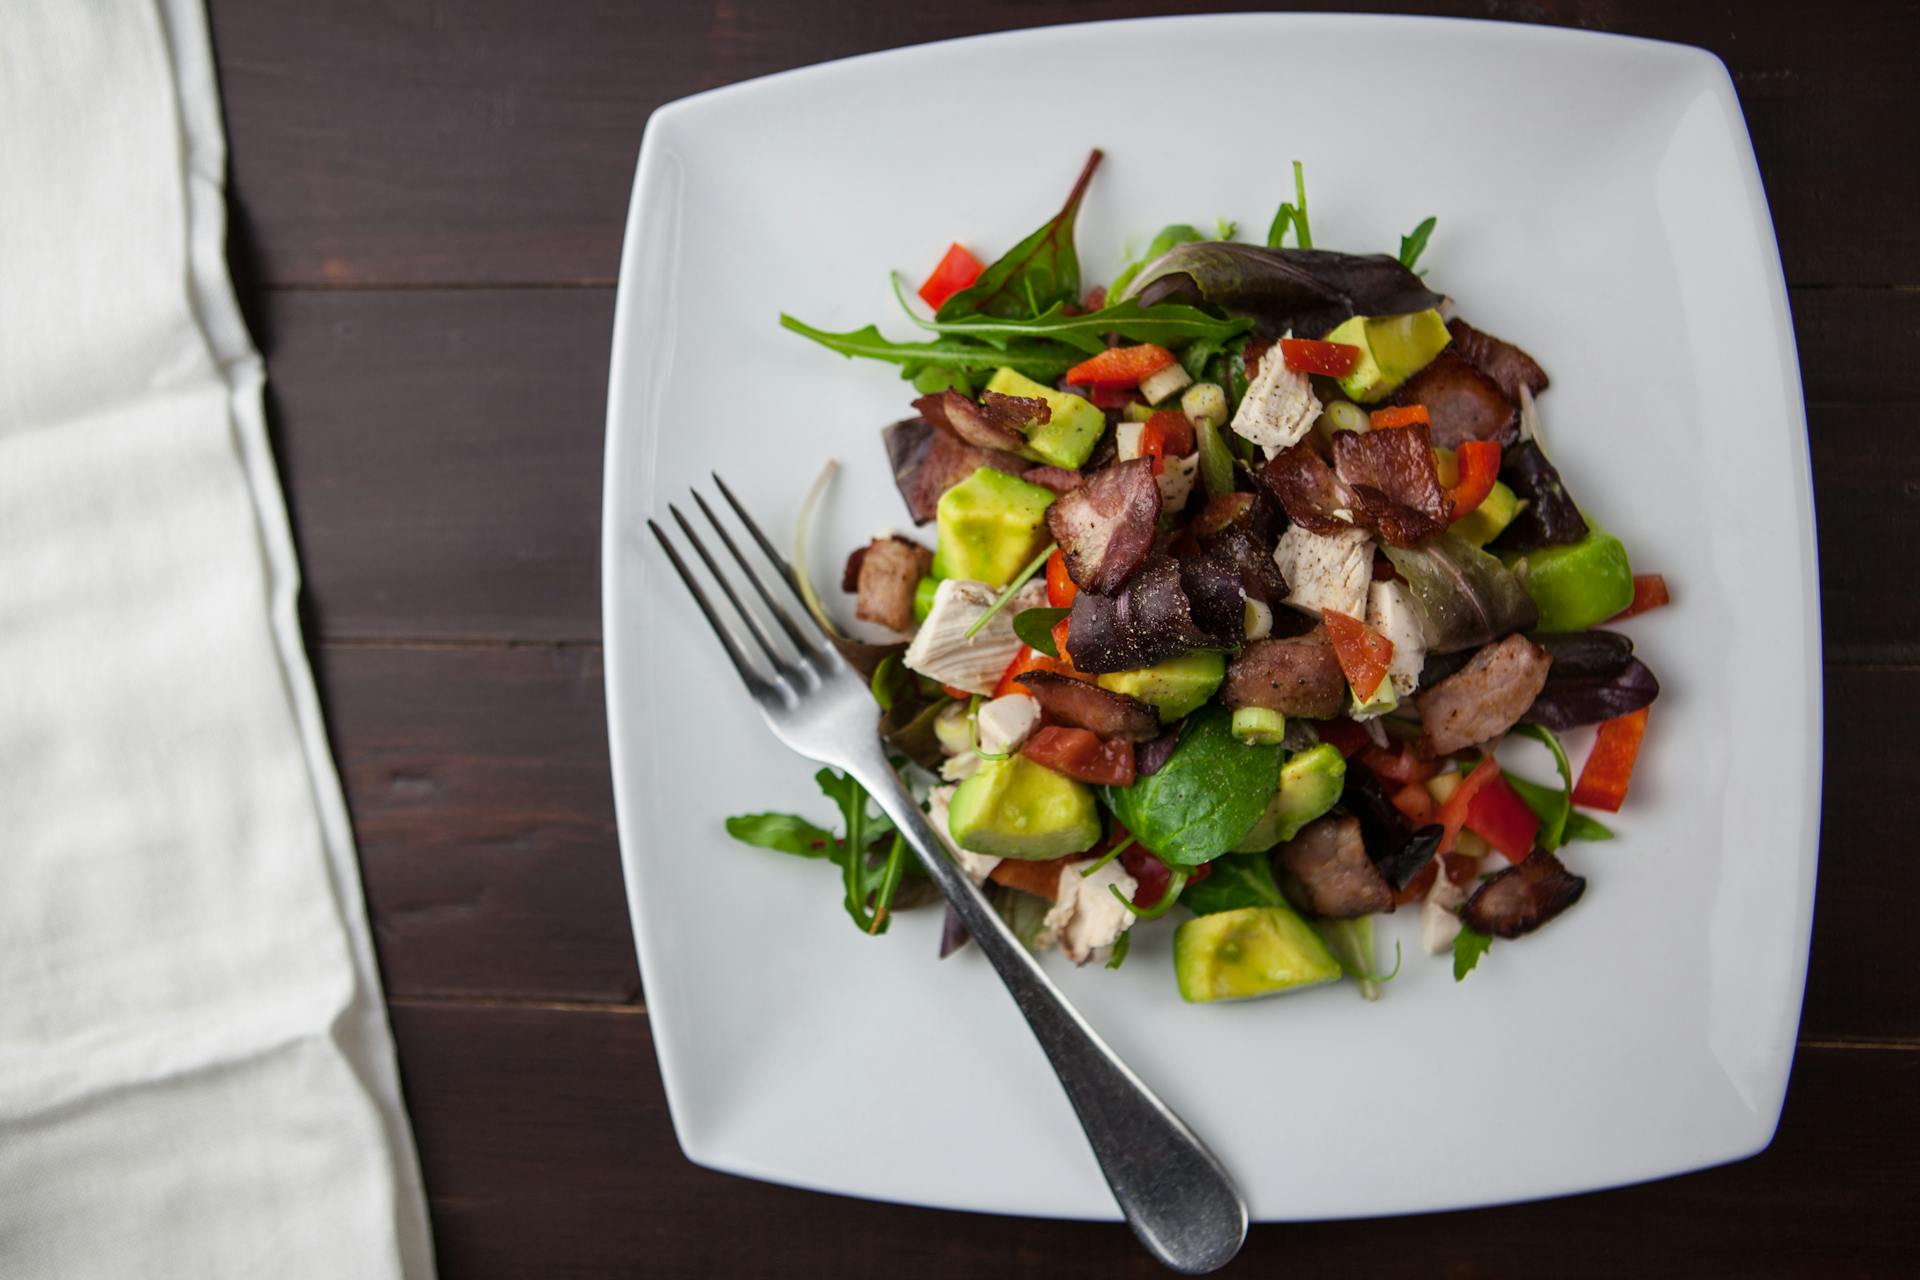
[
  {"x": 1006, "y": 594},
  {"x": 1344, "y": 415},
  {"x": 1216, "y": 460},
  {"x": 1258, "y": 726}
]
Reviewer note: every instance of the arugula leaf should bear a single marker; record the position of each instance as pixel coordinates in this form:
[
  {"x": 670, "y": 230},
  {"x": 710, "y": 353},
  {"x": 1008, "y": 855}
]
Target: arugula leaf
[
  {"x": 1205, "y": 798},
  {"x": 1581, "y": 827},
  {"x": 1237, "y": 880},
  {"x": 1468, "y": 946},
  {"x": 782, "y": 832},
  {"x": 1553, "y": 823},
  {"x": 1035, "y": 629},
  {"x": 1411, "y": 246},
  {"x": 934, "y": 379},
  {"x": 1037, "y": 273},
  {"x": 1041, "y": 361},
  {"x": 1292, "y": 215},
  {"x": 1168, "y": 324}
]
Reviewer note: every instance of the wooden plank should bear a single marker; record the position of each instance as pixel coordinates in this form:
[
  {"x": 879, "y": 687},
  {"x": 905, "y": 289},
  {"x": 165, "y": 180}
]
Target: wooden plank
[
  {"x": 477, "y": 781},
  {"x": 547, "y": 1151},
  {"x": 461, "y": 142}
]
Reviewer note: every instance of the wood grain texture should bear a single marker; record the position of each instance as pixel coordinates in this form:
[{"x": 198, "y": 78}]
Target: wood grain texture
[
  {"x": 381, "y": 142},
  {"x": 547, "y": 1151}
]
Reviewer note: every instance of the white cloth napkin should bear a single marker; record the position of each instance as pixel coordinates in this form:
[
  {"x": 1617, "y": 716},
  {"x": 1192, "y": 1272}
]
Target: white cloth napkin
[{"x": 196, "y": 1077}]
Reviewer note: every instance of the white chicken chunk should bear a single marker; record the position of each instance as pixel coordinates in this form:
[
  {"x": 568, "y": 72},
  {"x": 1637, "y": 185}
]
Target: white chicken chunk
[
  {"x": 1006, "y": 723},
  {"x": 939, "y": 810},
  {"x": 941, "y": 650},
  {"x": 1325, "y": 570},
  {"x": 1087, "y": 917},
  {"x": 1391, "y": 612},
  {"x": 1176, "y": 481},
  {"x": 1279, "y": 407}
]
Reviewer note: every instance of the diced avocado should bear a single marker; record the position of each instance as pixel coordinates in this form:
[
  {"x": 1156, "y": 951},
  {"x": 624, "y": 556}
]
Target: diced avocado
[
  {"x": 990, "y": 525},
  {"x": 1251, "y": 951},
  {"x": 923, "y": 593},
  {"x": 1486, "y": 522},
  {"x": 1175, "y": 687},
  {"x": 1310, "y": 783},
  {"x": 1392, "y": 349},
  {"x": 1019, "y": 809},
  {"x": 1066, "y": 439},
  {"x": 1580, "y": 584}
]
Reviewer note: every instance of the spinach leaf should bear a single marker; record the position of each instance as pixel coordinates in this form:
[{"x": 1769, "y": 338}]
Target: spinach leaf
[
  {"x": 1237, "y": 880},
  {"x": 1205, "y": 798},
  {"x": 1041, "y": 361},
  {"x": 1292, "y": 215},
  {"x": 1037, "y": 273},
  {"x": 1169, "y": 324},
  {"x": 1411, "y": 246},
  {"x": 1468, "y": 946},
  {"x": 782, "y": 832},
  {"x": 1035, "y": 629}
]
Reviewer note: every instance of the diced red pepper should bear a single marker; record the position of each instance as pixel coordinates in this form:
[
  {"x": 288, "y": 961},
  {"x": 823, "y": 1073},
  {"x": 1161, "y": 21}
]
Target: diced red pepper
[
  {"x": 1121, "y": 366},
  {"x": 1605, "y": 775},
  {"x": 955, "y": 691},
  {"x": 1039, "y": 878},
  {"x": 957, "y": 269},
  {"x": 1167, "y": 434},
  {"x": 1499, "y": 816},
  {"x": 1479, "y": 467},
  {"x": 1060, "y": 588},
  {"x": 1415, "y": 804},
  {"x": 1453, "y": 814},
  {"x": 1400, "y": 415},
  {"x": 1026, "y": 659},
  {"x": 1330, "y": 359},
  {"x": 1401, "y": 766},
  {"x": 1649, "y": 592},
  {"x": 1059, "y": 633},
  {"x": 1347, "y": 737},
  {"x": 1079, "y": 754},
  {"x": 1363, "y": 652}
]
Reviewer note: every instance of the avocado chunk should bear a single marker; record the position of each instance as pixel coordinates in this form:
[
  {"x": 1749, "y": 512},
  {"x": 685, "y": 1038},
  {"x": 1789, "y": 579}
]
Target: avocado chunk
[
  {"x": 990, "y": 525},
  {"x": 1392, "y": 349},
  {"x": 1065, "y": 439},
  {"x": 1016, "y": 808},
  {"x": 1251, "y": 951},
  {"x": 1310, "y": 782},
  {"x": 1489, "y": 520},
  {"x": 1579, "y": 584},
  {"x": 1174, "y": 688}
]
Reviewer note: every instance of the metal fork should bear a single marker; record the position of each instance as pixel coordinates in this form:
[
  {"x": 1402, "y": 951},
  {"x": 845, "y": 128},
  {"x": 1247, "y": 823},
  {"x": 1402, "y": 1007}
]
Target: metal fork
[{"x": 1174, "y": 1192}]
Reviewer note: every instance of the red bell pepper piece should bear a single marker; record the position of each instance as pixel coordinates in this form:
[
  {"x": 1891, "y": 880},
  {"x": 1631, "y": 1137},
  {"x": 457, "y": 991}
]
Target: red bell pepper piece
[
  {"x": 1649, "y": 592},
  {"x": 1330, "y": 359},
  {"x": 1167, "y": 434},
  {"x": 956, "y": 270},
  {"x": 1059, "y": 633},
  {"x": 1121, "y": 366},
  {"x": 1479, "y": 468},
  {"x": 1078, "y": 753},
  {"x": 1608, "y": 770},
  {"x": 1363, "y": 652},
  {"x": 1060, "y": 588},
  {"x": 1347, "y": 737},
  {"x": 1499, "y": 816},
  {"x": 1402, "y": 415},
  {"x": 1026, "y": 659},
  {"x": 1415, "y": 803},
  {"x": 1453, "y": 814}
]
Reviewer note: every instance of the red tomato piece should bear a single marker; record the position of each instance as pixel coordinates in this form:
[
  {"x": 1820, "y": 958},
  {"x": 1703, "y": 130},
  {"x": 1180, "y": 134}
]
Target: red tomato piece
[
  {"x": 1649, "y": 592},
  {"x": 1330, "y": 359},
  {"x": 1079, "y": 754},
  {"x": 1363, "y": 652},
  {"x": 1348, "y": 738},
  {"x": 1498, "y": 815},
  {"x": 1121, "y": 366},
  {"x": 1060, "y": 587},
  {"x": 1479, "y": 467},
  {"x": 1041, "y": 879},
  {"x": 956, "y": 270},
  {"x": 1060, "y": 630},
  {"x": 1403, "y": 766},
  {"x": 1608, "y": 770},
  {"x": 1415, "y": 803}
]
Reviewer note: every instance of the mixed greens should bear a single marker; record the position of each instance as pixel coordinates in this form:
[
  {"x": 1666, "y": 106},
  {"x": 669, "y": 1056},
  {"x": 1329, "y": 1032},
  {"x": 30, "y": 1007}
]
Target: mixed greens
[{"x": 1244, "y": 566}]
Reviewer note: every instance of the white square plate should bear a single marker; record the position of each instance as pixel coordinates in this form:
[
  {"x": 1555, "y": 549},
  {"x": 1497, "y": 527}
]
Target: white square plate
[{"x": 1598, "y": 204}]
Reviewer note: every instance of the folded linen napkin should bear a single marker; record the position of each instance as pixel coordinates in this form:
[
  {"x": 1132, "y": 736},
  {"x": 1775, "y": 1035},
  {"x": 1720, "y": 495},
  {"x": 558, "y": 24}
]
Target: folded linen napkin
[{"x": 196, "y": 1076}]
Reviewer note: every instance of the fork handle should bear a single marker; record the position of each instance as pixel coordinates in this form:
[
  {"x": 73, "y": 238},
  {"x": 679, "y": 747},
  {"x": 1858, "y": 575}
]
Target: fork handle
[{"x": 1174, "y": 1192}]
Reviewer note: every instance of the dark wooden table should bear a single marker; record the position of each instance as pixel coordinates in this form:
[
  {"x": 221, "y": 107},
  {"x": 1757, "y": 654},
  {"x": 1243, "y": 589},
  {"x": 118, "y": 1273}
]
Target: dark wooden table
[{"x": 427, "y": 206}]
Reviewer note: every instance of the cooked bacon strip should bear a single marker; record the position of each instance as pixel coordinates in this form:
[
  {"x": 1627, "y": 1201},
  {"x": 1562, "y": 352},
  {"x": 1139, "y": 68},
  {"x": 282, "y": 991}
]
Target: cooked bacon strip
[
  {"x": 1105, "y": 527},
  {"x": 1308, "y": 488},
  {"x": 885, "y": 578},
  {"x": 928, "y": 462},
  {"x": 1506, "y": 364},
  {"x": 1058, "y": 479},
  {"x": 969, "y": 421},
  {"x": 1485, "y": 698},
  {"x": 1299, "y": 676},
  {"x": 1016, "y": 413},
  {"x": 1462, "y": 402},
  {"x": 1326, "y": 871},
  {"x": 1524, "y": 897},
  {"x": 1392, "y": 477},
  {"x": 1088, "y": 706}
]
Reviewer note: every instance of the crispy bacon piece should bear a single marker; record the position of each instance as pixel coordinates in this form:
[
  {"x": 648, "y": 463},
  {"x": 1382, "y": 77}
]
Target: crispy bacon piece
[
  {"x": 927, "y": 462},
  {"x": 1088, "y": 706},
  {"x": 1463, "y": 403},
  {"x": 1326, "y": 871},
  {"x": 1506, "y": 364},
  {"x": 1308, "y": 489},
  {"x": 1058, "y": 479},
  {"x": 1523, "y": 897},
  {"x": 1485, "y": 698},
  {"x": 886, "y": 572},
  {"x": 1299, "y": 676},
  {"x": 973, "y": 423},
  {"x": 1105, "y": 527},
  {"x": 1393, "y": 480}
]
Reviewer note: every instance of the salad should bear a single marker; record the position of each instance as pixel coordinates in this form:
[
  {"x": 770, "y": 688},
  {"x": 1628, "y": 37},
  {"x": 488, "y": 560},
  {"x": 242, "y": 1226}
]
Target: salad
[{"x": 1242, "y": 567}]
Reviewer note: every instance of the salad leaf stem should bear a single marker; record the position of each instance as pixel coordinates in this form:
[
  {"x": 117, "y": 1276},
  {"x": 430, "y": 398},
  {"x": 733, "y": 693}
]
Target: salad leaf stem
[
  {"x": 1160, "y": 908},
  {"x": 1121, "y": 945},
  {"x": 1006, "y": 593},
  {"x": 1411, "y": 246},
  {"x": 889, "y": 882},
  {"x": 1106, "y": 857},
  {"x": 1553, "y": 824},
  {"x": 1168, "y": 323},
  {"x": 1041, "y": 361},
  {"x": 1292, "y": 215}
]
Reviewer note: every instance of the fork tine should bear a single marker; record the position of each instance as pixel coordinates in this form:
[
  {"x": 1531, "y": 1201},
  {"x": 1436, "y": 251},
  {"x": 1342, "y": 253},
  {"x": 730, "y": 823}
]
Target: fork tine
[
  {"x": 756, "y": 683},
  {"x": 780, "y": 615},
  {"x": 779, "y": 662},
  {"x": 786, "y": 570}
]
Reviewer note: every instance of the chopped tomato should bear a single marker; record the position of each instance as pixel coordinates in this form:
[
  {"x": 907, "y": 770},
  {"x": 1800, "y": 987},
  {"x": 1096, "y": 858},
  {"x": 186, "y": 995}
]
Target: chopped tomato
[
  {"x": 1059, "y": 633},
  {"x": 1453, "y": 814},
  {"x": 1167, "y": 434},
  {"x": 1415, "y": 804},
  {"x": 1041, "y": 879},
  {"x": 1649, "y": 592},
  {"x": 1608, "y": 770},
  {"x": 1026, "y": 659},
  {"x": 1460, "y": 870},
  {"x": 1499, "y": 816},
  {"x": 1403, "y": 766},
  {"x": 1096, "y": 298},
  {"x": 1347, "y": 737},
  {"x": 1331, "y": 359},
  {"x": 1078, "y": 754},
  {"x": 1400, "y": 415},
  {"x": 1060, "y": 588},
  {"x": 1363, "y": 652},
  {"x": 1121, "y": 366},
  {"x": 957, "y": 269},
  {"x": 1152, "y": 876},
  {"x": 1479, "y": 462}
]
